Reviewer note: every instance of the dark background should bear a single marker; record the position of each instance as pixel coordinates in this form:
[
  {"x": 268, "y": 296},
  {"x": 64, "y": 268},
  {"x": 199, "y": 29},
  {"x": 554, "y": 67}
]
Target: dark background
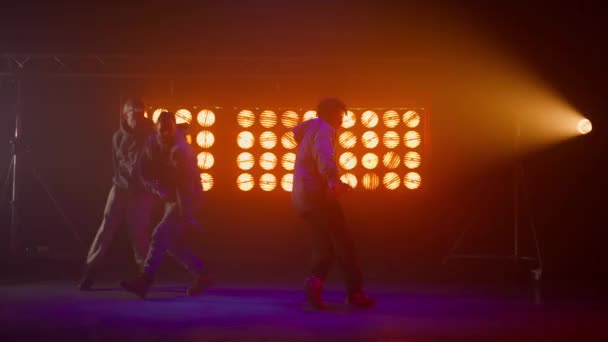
[{"x": 380, "y": 54}]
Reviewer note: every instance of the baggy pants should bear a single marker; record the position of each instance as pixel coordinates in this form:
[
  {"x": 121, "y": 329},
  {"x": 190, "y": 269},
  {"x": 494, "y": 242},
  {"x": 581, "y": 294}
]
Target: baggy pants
[
  {"x": 132, "y": 208},
  {"x": 169, "y": 237},
  {"x": 331, "y": 239}
]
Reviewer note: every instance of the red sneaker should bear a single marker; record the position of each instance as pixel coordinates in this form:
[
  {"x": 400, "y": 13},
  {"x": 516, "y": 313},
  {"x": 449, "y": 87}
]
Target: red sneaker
[
  {"x": 360, "y": 299},
  {"x": 314, "y": 292}
]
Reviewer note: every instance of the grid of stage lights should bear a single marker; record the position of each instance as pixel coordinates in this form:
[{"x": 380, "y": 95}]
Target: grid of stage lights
[
  {"x": 381, "y": 149},
  {"x": 200, "y": 135},
  {"x": 267, "y": 148},
  {"x": 375, "y": 149}
]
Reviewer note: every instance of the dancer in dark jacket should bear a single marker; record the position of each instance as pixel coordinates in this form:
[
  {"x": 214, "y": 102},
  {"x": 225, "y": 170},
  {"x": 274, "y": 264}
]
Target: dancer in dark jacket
[
  {"x": 171, "y": 172},
  {"x": 128, "y": 201}
]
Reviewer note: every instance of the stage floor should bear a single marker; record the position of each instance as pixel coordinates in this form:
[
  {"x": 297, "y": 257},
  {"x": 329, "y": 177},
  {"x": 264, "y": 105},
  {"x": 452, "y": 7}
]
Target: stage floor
[{"x": 56, "y": 311}]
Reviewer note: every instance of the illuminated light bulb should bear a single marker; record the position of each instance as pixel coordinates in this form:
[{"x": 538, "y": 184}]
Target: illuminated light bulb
[
  {"x": 205, "y": 118},
  {"x": 245, "y": 161},
  {"x": 411, "y": 139},
  {"x": 245, "y": 140},
  {"x": 245, "y": 118},
  {"x": 245, "y": 182},
  {"x": 268, "y": 182}
]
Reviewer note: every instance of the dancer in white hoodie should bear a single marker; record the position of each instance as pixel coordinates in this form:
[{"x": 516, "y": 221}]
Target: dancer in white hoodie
[{"x": 316, "y": 190}]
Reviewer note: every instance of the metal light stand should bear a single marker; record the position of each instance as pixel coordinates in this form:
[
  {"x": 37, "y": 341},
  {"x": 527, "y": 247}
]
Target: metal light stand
[
  {"x": 16, "y": 165},
  {"x": 535, "y": 261}
]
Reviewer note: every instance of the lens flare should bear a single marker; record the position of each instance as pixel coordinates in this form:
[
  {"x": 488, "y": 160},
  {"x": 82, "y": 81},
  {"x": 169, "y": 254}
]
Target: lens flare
[
  {"x": 349, "y": 179},
  {"x": 245, "y": 182},
  {"x": 369, "y": 119},
  {"x": 205, "y": 160},
  {"x": 287, "y": 182},
  {"x": 391, "y": 181},
  {"x": 584, "y": 126},
  {"x": 412, "y": 160},
  {"x": 268, "y": 161},
  {"x": 268, "y": 182},
  {"x": 348, "y": 160},
  {"x": 349, "y": 120},
  {"x": 347, "y": 139},
  {"x": 206, "y": 181},
  {"x": 205, "y": 118},
  {"x": 205, "y": 139},
  {"x": 412, "y": 180},
  {"x": 371, "y": 181},
  {"x": 370, "y": 139},
  {"x": 288, "y": 161},
  {"x": 369, "y": 161},
  {"x": 268, "y": 140},
  {"x": 245, "y": 161},
  {"x": 290, "y": 119},
  {"x": 245, "y": 118},
  {"x": 411, "y": 139},
  {"x": 268, "y": 119},
  {"x": 288, "y": 141},
  {"x": 391, "y": 119},
  {"x": 245, "y": 140}
]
